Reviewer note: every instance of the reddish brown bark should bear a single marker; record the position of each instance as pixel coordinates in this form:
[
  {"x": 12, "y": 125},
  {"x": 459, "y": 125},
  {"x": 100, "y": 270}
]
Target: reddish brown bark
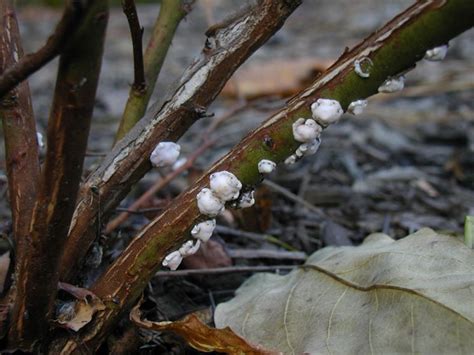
[
  {"x": 19, "y": 128},
  {"x": 200, "y": 84},
  {"x": 56, "y": 42},
  {"x": 68, "y": 129}
]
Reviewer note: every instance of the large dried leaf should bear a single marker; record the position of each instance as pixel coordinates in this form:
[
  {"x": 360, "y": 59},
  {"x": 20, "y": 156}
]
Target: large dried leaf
[
  {"x": 276, "y": 77},
  {"x": 415, "y": 295},
  {"x": 200, "y": 336}
]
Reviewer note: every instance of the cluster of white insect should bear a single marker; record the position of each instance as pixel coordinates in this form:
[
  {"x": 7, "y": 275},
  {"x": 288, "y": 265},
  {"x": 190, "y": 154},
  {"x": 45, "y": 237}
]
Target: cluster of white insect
[
  {"x": 165, "y": 154},
  {"x": 224, "y": 187},
  {"x": 308, "y": 131}
]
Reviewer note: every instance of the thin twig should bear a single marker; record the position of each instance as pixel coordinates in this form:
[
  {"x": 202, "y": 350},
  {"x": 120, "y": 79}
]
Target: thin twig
[
  {"x": 136, "y": 32},
  {"x": 171, "y": 14},
  {"x": 30, "y": 63},
  {"x": 266, "y": 254},
  {"x": 225, "y": 270},
  {"x": 293, "y": 197}
]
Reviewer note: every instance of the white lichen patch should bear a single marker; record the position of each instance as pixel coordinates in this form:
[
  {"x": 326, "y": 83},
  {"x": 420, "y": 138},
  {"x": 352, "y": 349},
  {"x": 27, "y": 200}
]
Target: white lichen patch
[
  {"x": 362, "y": 67},
  {"x": 326, "y": 111},
  {"x": 172, "y": 260},
  {"x": 225, "y": 185},
  {"x": 247, "y": 199},
  {"x": 203, "y": 231},
  {"x": 357, "y": 107},
  {"x": 208, "y": 203},
  {"x": 266, "y": 166},
  {"x": 393, "y": 84},
  {"x": 436, "y": 54},
  {"x": 165, "y": 154},
  {"x": 306, "y": 130},
  {"x": 291, "y": 159},
  {"x": 189, "y": 248}
]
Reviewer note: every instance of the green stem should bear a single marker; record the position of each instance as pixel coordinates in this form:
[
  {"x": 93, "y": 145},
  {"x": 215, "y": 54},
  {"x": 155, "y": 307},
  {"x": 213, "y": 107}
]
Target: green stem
[
  {"x": 393, "y": 49},
  {"x": 171, "y": 14}
]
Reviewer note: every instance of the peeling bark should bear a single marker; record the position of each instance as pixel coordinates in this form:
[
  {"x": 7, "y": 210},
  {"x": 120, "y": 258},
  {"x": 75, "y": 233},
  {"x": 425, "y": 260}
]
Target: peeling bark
[
  {"x": 393, "y": 49},
  {"x": 68, "y": 129},
  {"x": 200, "y": 84}
]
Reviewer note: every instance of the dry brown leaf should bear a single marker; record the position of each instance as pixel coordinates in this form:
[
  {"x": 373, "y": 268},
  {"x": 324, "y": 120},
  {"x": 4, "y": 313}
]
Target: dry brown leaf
[
  {"x": 85, "y": 308},
  {"x": 281, "y": 77},
  {"x": 200, "y": 336}
]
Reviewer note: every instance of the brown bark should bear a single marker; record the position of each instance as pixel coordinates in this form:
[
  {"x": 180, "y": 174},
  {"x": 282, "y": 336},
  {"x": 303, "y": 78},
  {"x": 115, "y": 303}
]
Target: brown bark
[
  {"x": 19, "y": 128},
  {"x": 30, "y": 63},
  {"x": 391, "y": 49},
  {"x": 200, "y": 84},
  {"x": 68, "y": 129}
]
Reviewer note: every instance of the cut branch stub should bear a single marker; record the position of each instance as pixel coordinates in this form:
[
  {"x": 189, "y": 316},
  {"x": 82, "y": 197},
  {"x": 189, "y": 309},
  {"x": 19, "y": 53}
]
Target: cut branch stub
[
  {"x": 392, "y": 51},
  {"x": 200, "y": 84}
]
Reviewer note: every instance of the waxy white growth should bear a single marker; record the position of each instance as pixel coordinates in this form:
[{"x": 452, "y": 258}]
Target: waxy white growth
[
  {"x": 165, "y": 154},
  {"x": 306, "y": 130},
  {"x": 247, "y": 199},
  {"x": 358, "y": 67},
  {"x": 291, "y": 159},
  {"x": 266, "y": 166},
  {"x": 225, "y": 185},
  {"x": 436, "y": 54},
  {"x": 203, "y": 231},
  {"x": 393, "y": 84},
  {"x": 173, "y": 260},
  {"x": 189, "y": 248},
  {"x": 179, "y": 163},
  {"x": 208, "y": 203},
  {"x": 326, "y": 111},
  {"x": 357, "y": 107}
]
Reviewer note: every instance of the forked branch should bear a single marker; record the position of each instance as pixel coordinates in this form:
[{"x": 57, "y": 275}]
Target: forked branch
[
  {"x": 68, "y": 129},
  {"x": 30, "y": 63},
  {"x": 223, "y": 53},
  {"x": 394, "y": 49}
]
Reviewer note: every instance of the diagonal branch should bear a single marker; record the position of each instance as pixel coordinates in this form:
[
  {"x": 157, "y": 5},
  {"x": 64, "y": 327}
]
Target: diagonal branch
[
  {"x": 19, "y": 128},
  {"x": 393, "y": 50},
  {"x": 136, "y": 32},
  {"x": 225, "y": 51},
  {"x": 171, "y": 14},
  {"x": 68, "y": 130},
  {"x": 30, "y": 63}
]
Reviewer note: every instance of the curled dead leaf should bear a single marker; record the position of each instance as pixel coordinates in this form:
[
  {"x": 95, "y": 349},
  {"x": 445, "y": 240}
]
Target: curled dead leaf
[
  {"x": 200, "y": 336},
  {"x": 84, "y": 309}
]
